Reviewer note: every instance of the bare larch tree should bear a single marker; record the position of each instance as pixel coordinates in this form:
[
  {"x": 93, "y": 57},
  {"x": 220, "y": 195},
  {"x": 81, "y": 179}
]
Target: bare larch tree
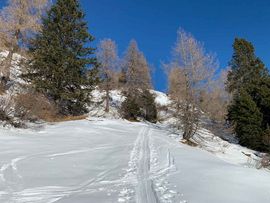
[
  {"x": 190, "y": 71},
  {"x": 19, "y": 21},
  {"x": 108, "y": 59},
  {"x": 215, "y": 100},
  {"x": 136, "y": 68}
]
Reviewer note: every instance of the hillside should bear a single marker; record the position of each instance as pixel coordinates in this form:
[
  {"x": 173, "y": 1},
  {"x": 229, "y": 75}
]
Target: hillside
[{"x": 68, "y": 162}]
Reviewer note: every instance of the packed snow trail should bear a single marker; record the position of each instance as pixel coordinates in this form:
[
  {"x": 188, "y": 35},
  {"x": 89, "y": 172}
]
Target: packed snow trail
[
  {"x": 145, "y": 175},
  {"x": 145, "y": 190},
  {"x": 118, "y": 161}
]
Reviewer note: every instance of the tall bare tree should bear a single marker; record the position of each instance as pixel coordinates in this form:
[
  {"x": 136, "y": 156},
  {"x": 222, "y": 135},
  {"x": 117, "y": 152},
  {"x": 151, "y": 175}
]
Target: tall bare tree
[
  {"x": 19, "y": 21},
  {"x": 190, "y": 71},
  {"x": 215, "y": 100},
  {"x": 108, "y": 59},
  {"x": 136, "y": 68}
]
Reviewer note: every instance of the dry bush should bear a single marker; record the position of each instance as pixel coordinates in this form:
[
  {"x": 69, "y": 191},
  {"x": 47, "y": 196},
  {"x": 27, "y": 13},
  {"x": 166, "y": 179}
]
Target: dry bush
[
  {"x": 7, "y": 111},
  {"x": 265, "y": 162},
  {"x": 34, "y": 106},
  {"x": 4, "y": 116},
  {"x": 189, "y": 142}
]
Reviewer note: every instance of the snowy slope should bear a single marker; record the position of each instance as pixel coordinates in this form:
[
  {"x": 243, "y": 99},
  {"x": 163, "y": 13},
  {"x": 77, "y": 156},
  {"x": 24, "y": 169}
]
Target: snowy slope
[
  {"x": 104, "y": 160},
  {"x": 116, "y": 99},
  {"x": 232, "y": 153}
]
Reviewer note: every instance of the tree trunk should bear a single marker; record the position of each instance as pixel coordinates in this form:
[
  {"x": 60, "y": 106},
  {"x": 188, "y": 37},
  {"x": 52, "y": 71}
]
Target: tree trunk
[
  {"x": 7, "y": 62},
  {"x": 107, "y": 105},
  {"x": 6, "y": 65}
]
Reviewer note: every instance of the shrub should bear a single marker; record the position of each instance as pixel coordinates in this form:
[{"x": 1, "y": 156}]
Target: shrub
[
  {"x": 7, "y": 112},
  {"x": 34, "y": 106},
  {"x": 4, "y": 116},
  {"x": 130, "y": 109},
  {"x": 139, "y": 104},
  {"x": 148, "y": 106}
]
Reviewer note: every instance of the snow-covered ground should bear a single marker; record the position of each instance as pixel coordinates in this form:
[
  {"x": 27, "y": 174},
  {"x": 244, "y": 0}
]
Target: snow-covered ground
[{"x": 103, "y": 160}]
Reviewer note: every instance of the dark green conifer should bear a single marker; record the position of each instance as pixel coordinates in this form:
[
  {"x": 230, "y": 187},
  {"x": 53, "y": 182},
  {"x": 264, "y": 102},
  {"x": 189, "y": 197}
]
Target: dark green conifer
[
  {"x": 249, "y": 82},
  {"x": 246, "y": 69},
  {"x": 130, "y": 108},
  {"x": 63, "y": 66},
  {"x": 246, "y": 118},
  {"x": 148, "y": 106}
]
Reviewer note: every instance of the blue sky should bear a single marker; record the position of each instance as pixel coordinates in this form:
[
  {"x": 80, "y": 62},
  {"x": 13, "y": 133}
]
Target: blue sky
[{"x": 153, "y": 23}]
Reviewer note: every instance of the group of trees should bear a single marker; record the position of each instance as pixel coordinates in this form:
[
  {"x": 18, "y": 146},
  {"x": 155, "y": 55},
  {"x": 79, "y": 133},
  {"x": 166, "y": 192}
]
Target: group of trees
[
  {"x": 130, "y": 74},
  {"x": 238, "y": 96},
  {"x": 249, "y": 83},
  {"x": 56, "y": 57},
  {"x": 136, "y": 81},
  {"x": 59, "y": 64}
]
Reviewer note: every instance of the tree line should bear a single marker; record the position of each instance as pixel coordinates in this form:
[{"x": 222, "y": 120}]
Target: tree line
[
  {"x": 238, "y": 96},
  {"x": 60, "y": 66},
  {"x": 131, "y": 75}
]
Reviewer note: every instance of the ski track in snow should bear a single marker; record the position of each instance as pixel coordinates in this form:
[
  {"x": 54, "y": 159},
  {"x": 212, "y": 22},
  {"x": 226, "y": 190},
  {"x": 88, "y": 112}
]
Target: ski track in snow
[
  {"x": 12, "y": 166},
  {"x": 145, "y": 189},
  {"x": 146, "y": 177},
  {"x": 51, "y": 194}
]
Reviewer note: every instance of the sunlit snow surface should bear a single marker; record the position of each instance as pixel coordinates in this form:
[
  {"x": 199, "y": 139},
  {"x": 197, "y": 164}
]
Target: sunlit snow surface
[{"x": 102, "y": 160}]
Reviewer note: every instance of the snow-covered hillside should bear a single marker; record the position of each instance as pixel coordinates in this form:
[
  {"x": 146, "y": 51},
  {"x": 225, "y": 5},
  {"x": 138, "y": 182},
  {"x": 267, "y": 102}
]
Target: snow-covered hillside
[
  {"x": 97, "y": 108},
  {"x": 103, "y": 160},
  {"x": 106, "y": 159}
]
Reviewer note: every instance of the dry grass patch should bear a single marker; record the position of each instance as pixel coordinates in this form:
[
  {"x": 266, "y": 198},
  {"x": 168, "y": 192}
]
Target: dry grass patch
[
  {"x": 67, "y": 118},
  {"x": 35, "y": 106}
]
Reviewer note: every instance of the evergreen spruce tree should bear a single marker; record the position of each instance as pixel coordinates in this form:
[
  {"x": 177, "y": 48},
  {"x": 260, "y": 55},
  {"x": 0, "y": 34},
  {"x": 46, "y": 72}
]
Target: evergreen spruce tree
[
  {"x": 130, "y": 108},
  {"x": 148, "y": 106},
  {"x": 246, "y": 118},
  {"x": 249, "y": 82},
  {"x": 246, "y": 69},
  {"x": 62, "y": 65},
  {"x": 135, "y": 70},
  {"x": 141, "y": 104},
  {"x": 266, "y": 139},
  {"x": 136, "y": 80},
  {"x": 261, "y": 95}
]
